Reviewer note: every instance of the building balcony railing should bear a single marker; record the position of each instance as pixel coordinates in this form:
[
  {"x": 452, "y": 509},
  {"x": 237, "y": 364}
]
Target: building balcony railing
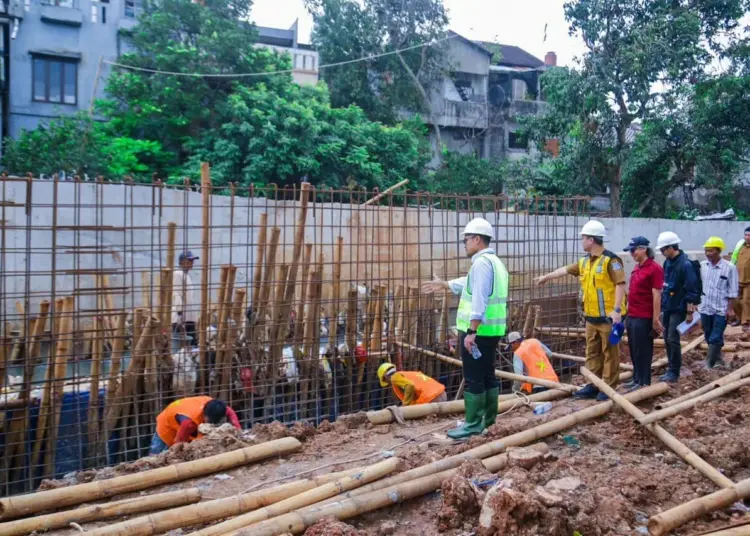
[{"x": 73, "y": 4}]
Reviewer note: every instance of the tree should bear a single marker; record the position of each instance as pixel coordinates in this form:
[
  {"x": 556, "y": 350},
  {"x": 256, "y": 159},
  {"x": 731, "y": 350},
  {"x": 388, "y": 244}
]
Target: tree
[
  {"x": 349, "y": 29},
  {"x": 79, "y": 145},
  {"x": 636, "y": 52}
]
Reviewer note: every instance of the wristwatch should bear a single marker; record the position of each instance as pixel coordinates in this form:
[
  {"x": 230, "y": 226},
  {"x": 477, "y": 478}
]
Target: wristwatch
[
  {"x": 618, "y": 310},
  {"x": 471, "y": 331}
]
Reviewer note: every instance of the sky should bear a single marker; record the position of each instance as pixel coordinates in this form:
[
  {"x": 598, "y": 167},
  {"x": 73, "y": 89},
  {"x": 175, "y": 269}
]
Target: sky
[{"x": 502, "y": 21}]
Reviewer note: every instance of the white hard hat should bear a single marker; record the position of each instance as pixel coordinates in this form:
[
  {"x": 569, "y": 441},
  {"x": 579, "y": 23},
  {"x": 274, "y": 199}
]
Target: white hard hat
[
  {"x": 479, "y": 226},
  {"x": 593, "y": 228},
  {"x": 667, "y": 238}
]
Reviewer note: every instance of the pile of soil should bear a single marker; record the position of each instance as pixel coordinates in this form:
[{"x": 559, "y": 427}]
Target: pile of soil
[
  {"x": 330, "y": 526},
  {"x": 300, "y": 430}
]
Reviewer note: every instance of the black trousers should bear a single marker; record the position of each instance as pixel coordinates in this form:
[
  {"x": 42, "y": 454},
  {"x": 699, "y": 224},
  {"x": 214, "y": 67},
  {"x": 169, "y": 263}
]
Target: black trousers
[
  {"x": 670, "y": 321},
  {"x": 479, "y": 374},
  {"x": 641, "y": 343}
]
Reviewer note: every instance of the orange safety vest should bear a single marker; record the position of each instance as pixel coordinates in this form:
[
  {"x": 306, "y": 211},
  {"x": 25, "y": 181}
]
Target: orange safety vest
[
  {"x": 536, "y": 362},
  {"x": 427, "y": 388},
  {"x": 191, "y": 407}
]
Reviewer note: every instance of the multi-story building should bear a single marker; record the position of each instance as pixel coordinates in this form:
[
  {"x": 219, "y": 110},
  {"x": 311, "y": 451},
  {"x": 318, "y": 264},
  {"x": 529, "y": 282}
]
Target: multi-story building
[
  {"x": 476, "y": 104},
  {"x": 54, "y": 55}
]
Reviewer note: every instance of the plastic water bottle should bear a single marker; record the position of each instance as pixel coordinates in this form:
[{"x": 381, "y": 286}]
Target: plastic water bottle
[
  {"x": 475, "y": 351},
  {"x": 542, "y": 408}
]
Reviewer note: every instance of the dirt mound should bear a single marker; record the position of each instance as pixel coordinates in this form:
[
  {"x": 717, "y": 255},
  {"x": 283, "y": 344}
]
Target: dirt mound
[
  {"x": 352, "y": 421},
  {"x": 302, "y": 430},
  {"x": 269, "y": 432},
  {"x": 330, "y": 526},
  {"x": 325, "y": 426},
  {"x": 461, "y": 500}
]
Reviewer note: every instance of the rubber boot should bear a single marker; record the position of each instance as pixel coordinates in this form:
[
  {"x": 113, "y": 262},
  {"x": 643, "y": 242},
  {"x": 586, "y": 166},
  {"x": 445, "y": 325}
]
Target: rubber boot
[
  {"x": 474, "y": 412},
  {"x": 490, "y": 408},
  {"x": 714, "y": 356}
]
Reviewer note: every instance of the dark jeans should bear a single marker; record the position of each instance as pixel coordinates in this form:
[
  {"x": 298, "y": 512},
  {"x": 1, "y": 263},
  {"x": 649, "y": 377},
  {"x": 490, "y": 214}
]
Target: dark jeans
[
  {"x": 479, "y": 374},
  {"x": 189, "y": 331},
  {"x": 641, "y": 343},
  {"x": 713, "y": 327},
  {"x": 670, "y": 321}
]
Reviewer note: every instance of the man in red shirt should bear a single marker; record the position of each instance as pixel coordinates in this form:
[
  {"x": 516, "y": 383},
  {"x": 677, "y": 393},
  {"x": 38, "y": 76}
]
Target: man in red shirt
[{"x": 644, "y": 310}]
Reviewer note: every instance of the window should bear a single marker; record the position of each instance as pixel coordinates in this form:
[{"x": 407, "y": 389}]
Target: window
[
  {"x": 104, "y": 15},
  {"x": 54, "y": 80},
  {"x": 60, "y": 3},
  {"x": 133, "y": 8},
  {"x": 94, "y": 12},
  {"x": 518, "y": 141}
]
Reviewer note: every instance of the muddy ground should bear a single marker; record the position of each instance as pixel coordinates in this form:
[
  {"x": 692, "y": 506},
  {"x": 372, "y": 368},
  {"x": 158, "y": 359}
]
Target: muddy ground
[{"x": 621, "y": 474}]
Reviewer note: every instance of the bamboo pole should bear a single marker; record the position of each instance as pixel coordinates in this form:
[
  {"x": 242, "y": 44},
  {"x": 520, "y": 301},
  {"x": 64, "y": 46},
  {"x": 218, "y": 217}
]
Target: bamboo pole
[
  {"x": 16, "y": 439},
  {"x": 402, "y": 309},
  {"x": 93, "y": 411},
  {"x": 265, "y": 292},
  {"x": 443, "y": 336},
  {"x": 214, "y": 510},
  {"x": 58, "y": 315},
  {"x": 223, "y": 357},
  {"x": 299, "y": 326},
  {"x": 498, "y": 373},
  {"x": 98, "y": 512},
  {"x": 205, "y": 254},
  {"x": 338, "y": 256},
  {"x": 413, "y": 322},
  {"x": 385, "y": 192},
  {"x": 260, "y": 253},
  {"x": 146, "y": 289},
  {"x": 109, "y": 305},
  {"x": 529, "y": 322},
  {"x": 741, "y": 530},
  {"x": 687, "y": 404},
  {"x": 724, "y": 380},
  {"x": 377, "y": 321},
  {"x": 576, "y": 359},
  {"x": 50, "y": 389},
  {"x": 668, "y": 439},
  {"x": 519, "y": 439},
  {"x": 18, "y": 344},
  {"x": 505, "y": 403},
  {"x": 680, "y": 515},
  {"x": 351, "y": 320},
  {"x": 171, "y": 241},
  {"x": 23, "y": 505},
  {"x": 365, "y": 476},
  {"x": 305, "y": 365},
  {"x": 298, "y": 520},
  {"x": 118, "y": 345}
]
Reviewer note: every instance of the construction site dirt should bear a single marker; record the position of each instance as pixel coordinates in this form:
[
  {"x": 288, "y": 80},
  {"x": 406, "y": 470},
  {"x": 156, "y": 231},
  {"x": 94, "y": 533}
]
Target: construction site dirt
[{"x": 604, "y": 477}]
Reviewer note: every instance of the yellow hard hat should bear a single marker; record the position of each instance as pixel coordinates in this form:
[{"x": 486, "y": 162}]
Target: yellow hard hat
[
  {"x": 383, "y": 370},
  {"x": 714, "y": 242}
]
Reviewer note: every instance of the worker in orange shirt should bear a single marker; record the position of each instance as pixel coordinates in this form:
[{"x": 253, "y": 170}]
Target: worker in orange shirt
[
  {"x": 411, "y": 388},
  {"x": 530, "y": 358},
  {"x": 179, "y": 421}
]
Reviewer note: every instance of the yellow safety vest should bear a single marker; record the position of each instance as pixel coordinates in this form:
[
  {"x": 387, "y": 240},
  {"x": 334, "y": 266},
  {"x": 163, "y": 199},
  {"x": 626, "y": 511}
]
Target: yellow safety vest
[{"x": 597, "y": 287}]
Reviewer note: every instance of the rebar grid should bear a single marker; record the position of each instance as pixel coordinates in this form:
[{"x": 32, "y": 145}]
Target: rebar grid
[{"x": 299, "y": 294}]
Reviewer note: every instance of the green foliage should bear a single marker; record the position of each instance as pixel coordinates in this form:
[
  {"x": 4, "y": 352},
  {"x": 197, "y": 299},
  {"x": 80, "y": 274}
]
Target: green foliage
[
  {"x": 349, "y": 29},
  {"x": 79, "y": 145}
]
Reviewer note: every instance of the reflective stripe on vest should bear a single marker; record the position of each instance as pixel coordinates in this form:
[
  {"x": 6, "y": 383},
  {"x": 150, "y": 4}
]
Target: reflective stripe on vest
[
  {"x": 536, "y": 362},
  {"x": 736, "y": 253},
  {"x": 495, "y": 316},
  {"x": 597, "y": 287},
  {"x": 191, "y": 407},
  {"x": 427, "y": 389}
]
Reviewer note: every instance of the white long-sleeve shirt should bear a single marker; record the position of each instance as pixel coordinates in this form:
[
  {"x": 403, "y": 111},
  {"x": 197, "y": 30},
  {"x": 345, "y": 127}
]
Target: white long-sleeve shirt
[
  {"x": 482, "y": 278},
  {"x": 183, "y": 297}
]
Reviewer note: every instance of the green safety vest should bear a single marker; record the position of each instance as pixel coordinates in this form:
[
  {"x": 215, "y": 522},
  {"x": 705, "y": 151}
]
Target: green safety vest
[
  {"x": 736, "y": 252},
  {"x": 496, "y": 314}
]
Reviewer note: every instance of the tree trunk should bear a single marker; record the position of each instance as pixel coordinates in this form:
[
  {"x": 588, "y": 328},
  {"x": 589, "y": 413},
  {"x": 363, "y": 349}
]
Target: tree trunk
[
  {"x": 615, "y": 186},
  {"x": 426, "y": 98}
]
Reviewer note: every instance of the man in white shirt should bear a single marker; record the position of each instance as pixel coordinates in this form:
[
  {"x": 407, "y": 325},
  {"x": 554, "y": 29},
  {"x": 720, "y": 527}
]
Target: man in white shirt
[
  {"x": 720, "y": 290},
  {"x": 184, "y": 307}
]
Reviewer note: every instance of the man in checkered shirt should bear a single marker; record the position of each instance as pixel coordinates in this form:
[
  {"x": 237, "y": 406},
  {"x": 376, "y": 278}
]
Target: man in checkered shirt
[{"x": 720, "y": 290}]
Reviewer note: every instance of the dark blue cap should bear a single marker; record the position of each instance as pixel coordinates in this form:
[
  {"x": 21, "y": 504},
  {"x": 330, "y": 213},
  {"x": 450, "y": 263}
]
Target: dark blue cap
[
  {"x": 188, "y": 256},
  {"x": 637, "y": 242}
]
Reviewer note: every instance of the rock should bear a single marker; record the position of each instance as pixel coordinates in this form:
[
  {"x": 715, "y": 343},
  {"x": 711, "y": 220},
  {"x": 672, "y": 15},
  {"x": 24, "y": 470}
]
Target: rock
[
  {"x": 473, "y": 469},
  {"x": 325, "y": 426},
  {"x": 387, "y": 528},
  {"x": 302, "y": 431},
  {"x": 382, "y": 430},
  {"x": 354, "y": 420},
  {"x": 547, "y": 497},
  {"x": 460, "y": 499},
  {"x": 567, "y": 483},
  {"x": 524, "y": 457},
  {"x": 330, "y": 526},
  {"x": 268, "y": 432}
]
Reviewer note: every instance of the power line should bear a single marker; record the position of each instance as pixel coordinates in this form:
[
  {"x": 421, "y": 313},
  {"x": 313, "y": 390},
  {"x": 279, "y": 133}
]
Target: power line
[{"x": 283, "y": 71}]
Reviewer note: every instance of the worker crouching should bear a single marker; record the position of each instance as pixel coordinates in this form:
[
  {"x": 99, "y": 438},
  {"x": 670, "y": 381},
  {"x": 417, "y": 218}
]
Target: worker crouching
[
  {"x": 481, "y": 323},
  {"x": 530, "y": 358},
  {"x": 411, "y": 387},
  {"x": 179, "y": 421}
]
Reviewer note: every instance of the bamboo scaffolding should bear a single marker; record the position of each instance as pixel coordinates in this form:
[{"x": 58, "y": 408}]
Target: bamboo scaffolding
[
  {"x": 115, "y": 367},
  {"x": 146, "y": 289},
  {"x": 171, "y": 241},
  {"x": 214, "y": 510},
  {"x": 385, "y": 192},
  {"x": 338, "y": 257},
  {"x": 308, "y": 341},
  {"x": 224, "y": 346},
  {"x": 320, "y": 493},
  {"x": 680, "y": 515},
  {"x": 498, "y": 373},
  {"x": 265, "y": 291},
  {"x": 96, "y": 371},
  {"x": 16, "y": 438},
  {"x": 687, "y": 404},
  {"x": 23, "y": 505},
  {"x": 729, "y": 378},
  {"x": 668, "y": 439},
  {"x": 98, "y": 512},
  {"x": 204, "y": 321}
]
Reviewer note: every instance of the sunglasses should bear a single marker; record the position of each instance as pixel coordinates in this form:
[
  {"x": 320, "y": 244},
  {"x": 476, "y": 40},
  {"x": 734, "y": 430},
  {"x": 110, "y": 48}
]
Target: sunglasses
[{"x": 468, "y": 237}]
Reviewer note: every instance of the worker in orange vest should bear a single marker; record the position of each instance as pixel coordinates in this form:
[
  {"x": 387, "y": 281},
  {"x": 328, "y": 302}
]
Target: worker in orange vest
[
  {"x": 179, "y": 421},
  {"x": 530, "y": 358},
  {"x": 411, "y": 388}
]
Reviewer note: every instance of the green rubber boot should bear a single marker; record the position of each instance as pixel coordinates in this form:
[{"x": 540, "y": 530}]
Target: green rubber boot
[
  {"x": 474, "y": 411},
  {"x": 490, "y": 406}
]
